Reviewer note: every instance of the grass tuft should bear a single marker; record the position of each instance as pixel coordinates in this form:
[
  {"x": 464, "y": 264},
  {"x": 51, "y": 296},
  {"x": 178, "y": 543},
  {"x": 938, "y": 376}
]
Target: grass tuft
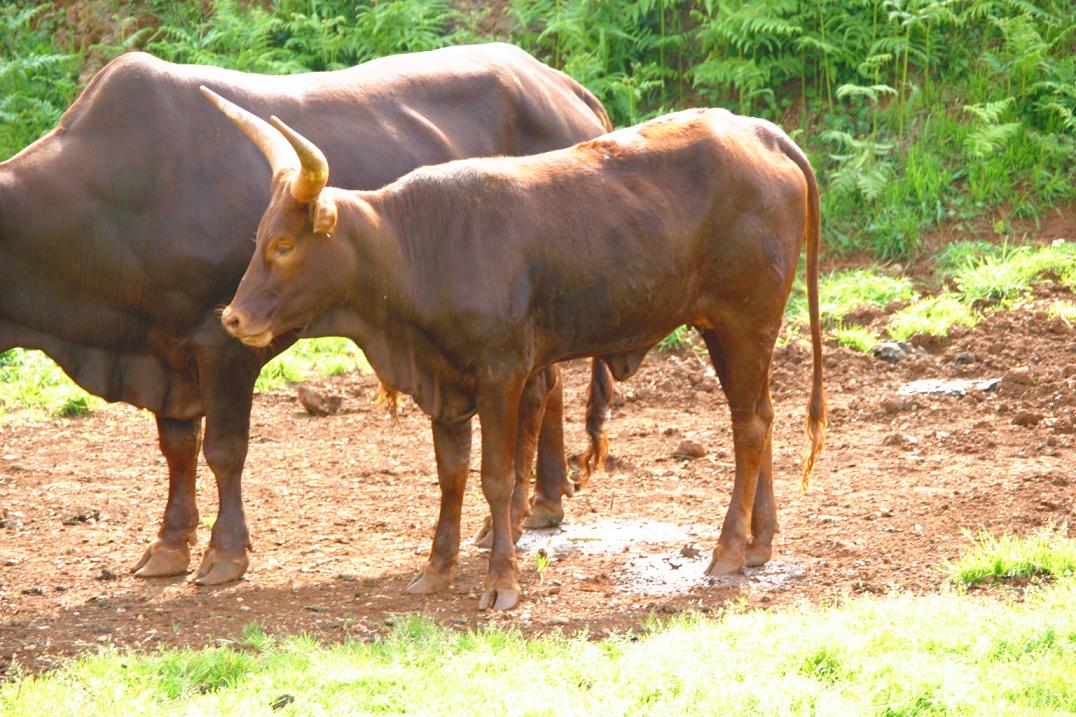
[
  {"x": 933, "y": 316},
  {"x": 1047, "y": 552}
]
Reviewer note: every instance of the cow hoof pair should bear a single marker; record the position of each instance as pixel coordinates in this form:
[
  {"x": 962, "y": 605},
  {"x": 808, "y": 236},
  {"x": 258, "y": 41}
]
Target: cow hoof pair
[
  {"x": 161, "y": 560},
  {"x": 504, "y": 597}
]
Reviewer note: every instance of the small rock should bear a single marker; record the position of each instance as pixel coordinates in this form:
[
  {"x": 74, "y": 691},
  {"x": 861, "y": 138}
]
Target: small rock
[
  {"x": 281, "y": 702},
  {"x": 347, "y": 577},
  {"x": 317, "y": 403},
  {"x": 316, "y": 608},
  {"x": 33, "y": 591},
  {"x": 895, "y": 351},
  {"x": 964, "y": 358},
  {"x": 82, "y": 515},
  {"x": 559, "y": 620},
  {"x": 1027, "y": 418},
  {"x": 689, "y": 449},
  {"x": 1059, "y": 325},
  {"x": 106, "y": 574},
  {"x": 1020, "y": 375}
]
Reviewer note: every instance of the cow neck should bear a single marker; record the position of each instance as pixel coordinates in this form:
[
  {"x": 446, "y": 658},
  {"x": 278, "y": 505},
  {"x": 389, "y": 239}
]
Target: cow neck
[{"x": 380, "y": 313}]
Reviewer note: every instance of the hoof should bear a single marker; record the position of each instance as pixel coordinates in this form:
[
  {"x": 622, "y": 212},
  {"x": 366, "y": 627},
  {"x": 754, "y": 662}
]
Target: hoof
[
  {"x": 757, "y": 555},
  {"x": 427, "y": 583},
  {"x": 543, "y": 515},
  {"x": 569, "y": 487},
  {"x": 483, "y": 539},
  {"x": 216, "y": 570},
  {"x": 161, "y": 561},
  {"x": 722, "y": 564},
  {"x": 503, "y": 599}
]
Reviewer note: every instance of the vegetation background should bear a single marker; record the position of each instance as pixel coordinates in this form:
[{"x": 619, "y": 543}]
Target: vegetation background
[{"x": 919, "y": 116}]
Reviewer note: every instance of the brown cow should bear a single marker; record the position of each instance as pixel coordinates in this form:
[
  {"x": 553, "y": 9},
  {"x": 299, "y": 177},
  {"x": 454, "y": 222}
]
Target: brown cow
[
  {"x": 464, "y": 281},
  {"x": 117, "y": 251}
]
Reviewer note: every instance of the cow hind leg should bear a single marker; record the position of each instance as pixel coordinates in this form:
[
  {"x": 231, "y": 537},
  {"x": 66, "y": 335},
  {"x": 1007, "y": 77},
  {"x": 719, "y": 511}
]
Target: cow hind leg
[
  {"x": 452, "y": 449},
  {"x": 764, "y": 514},
  {"x": 741, "y": 359},
  {"x": 170, "y": 553},
  {"x": 552, "y": 482}
]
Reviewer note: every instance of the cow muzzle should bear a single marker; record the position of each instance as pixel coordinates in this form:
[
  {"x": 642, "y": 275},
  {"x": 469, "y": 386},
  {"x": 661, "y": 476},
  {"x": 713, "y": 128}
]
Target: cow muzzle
[{"x": 239, "y": 325}]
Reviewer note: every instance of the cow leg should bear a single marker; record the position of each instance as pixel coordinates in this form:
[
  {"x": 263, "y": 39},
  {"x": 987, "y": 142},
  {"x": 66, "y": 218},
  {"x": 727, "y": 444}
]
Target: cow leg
[
  {"x": 452, "y": 448},
  {"x": 170, "y": 553},
  {"x": 552, "y": 482},
  {"x": 764, "y": 515},
  {"x": 532, "y": 432},
  {"x": 742, "y": 360},
  {"x": 498, "y": 410},
  {"x": 227, "y": 383}
]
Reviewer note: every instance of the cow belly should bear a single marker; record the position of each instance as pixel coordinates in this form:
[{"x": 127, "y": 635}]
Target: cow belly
[{"x": 140, "y": 379}]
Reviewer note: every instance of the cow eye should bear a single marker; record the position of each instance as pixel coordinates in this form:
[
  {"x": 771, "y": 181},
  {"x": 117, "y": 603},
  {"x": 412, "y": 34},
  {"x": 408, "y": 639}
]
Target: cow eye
[{"x": 281, "y": 248}]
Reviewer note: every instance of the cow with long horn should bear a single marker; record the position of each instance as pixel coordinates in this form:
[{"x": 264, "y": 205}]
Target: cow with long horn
[
  {"x": 119, "y": 244},
  {"x": 464, "y": 282}
]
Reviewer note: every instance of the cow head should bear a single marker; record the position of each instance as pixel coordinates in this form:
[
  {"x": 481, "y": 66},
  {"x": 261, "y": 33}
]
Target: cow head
[{"x": 278, "y": 290}]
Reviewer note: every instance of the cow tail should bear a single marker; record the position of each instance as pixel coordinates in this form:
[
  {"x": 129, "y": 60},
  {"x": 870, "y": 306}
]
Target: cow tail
[
  {"x": 595, "y": 106},
  {"x": 816, "y": 406},
  {"x": 599, "y": 396}
]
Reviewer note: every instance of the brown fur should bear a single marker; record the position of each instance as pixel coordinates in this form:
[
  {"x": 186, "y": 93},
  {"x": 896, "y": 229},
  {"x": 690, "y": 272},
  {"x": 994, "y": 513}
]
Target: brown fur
[{"x": 464, "y": 282}]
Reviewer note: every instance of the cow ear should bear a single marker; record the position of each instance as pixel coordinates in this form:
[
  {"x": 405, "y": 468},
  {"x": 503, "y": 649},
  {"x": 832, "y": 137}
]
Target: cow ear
[{"x": 324, "y": 209}]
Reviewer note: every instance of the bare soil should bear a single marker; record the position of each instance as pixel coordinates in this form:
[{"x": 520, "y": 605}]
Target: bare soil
[{"x": 342, "y": 507}]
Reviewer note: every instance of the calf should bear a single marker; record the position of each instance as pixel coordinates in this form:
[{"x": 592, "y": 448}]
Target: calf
[{"x": 463, "y": 282}]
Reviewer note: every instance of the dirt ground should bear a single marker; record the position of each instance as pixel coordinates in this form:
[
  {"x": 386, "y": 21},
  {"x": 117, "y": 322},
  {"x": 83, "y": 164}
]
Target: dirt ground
[{"x": 341, "y": 508}]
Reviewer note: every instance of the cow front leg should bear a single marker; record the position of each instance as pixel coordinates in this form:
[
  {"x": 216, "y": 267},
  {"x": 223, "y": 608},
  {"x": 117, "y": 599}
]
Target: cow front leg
[
  {"x": 531, "y": 411},
  {"x": 498, "y": 410},
  {"x": 551, "y": 484},
  {"x": 452, "y": 448},
  {"x": 227, "y": 383},
  {"x": 170, "y": 553}
]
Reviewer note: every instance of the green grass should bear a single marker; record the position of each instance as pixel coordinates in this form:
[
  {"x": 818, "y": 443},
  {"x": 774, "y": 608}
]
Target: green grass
[
  {"x": 903, "y": 654},
  {"x": 1047, "y": 552},
  {"x": 841, "y": 292},
  {"x": 933, "y": 316},
  {"x": 1007, "y": 275},
  {"x": 36, "y": 387},
  {"x": 1064, "y": 309},
  {"x": 311, "y": 358},
  {"x": 857, "y": 338}
]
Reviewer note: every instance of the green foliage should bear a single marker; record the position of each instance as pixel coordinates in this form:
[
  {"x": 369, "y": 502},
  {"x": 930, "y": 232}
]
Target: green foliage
[
  {"x": 841, "y": 292},
  {"x": 32, "y": 383},
  {"x": 37, "y": 80},
  {"x": 310, "y": 358},
  {"x": 289, "y": 36},
  {"x": 857, "y": 338},
  {"x": 933, "y": 316},
  {"x": 1046, "y": 552},
  {"x": 1007, "y": 274}
]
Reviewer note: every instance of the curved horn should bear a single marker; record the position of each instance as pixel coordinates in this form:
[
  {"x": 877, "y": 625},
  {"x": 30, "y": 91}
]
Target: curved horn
[
  {"x": 275, "y": 147},
  {"x": 314, "y": 174}
]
